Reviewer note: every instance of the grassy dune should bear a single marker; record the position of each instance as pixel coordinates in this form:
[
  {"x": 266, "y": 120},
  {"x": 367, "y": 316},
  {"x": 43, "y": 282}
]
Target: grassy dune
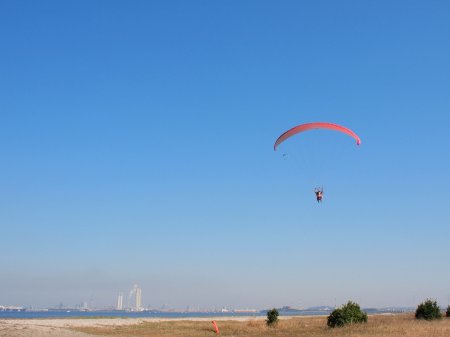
[{"x": 379, "y": 325}]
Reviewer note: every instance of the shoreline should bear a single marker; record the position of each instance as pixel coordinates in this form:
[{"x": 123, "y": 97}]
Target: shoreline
[
  {"x": 66, "y": 327},
  {"x": 63, "y": 327}
]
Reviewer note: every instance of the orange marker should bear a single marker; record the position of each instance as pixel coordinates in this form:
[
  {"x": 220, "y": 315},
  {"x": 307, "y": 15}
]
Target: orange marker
[{"x": 216, "y": 328}]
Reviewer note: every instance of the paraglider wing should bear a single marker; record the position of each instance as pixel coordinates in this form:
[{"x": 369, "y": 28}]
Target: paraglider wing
[{"x": 316, "y": 125}]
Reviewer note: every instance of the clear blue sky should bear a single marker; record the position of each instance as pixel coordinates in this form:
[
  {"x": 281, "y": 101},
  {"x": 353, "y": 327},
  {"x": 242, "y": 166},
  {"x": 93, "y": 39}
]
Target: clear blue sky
[{"x": 136, "y": 147}]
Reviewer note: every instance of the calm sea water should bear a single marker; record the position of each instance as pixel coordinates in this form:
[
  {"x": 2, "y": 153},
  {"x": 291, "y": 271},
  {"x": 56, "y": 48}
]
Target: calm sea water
[{"x": 66, "y": 314}]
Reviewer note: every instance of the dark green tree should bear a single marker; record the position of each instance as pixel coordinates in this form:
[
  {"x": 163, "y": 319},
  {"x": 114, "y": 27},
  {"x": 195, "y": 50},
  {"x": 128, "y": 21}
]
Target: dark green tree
[
  {"x": 428, "y": 310},
  {"x": 350, "y": 313},
  {"x": 272, "y": 317},
  {"x": 447, "y": 313}
]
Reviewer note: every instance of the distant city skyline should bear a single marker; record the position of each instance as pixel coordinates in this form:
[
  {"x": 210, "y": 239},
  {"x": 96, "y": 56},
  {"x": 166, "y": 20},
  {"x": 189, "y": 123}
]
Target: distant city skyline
[{"x": 134, "y": 303}]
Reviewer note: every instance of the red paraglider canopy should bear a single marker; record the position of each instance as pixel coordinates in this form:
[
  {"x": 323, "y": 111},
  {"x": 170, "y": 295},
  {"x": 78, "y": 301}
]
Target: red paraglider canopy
[{"x": 316, "y": 125}]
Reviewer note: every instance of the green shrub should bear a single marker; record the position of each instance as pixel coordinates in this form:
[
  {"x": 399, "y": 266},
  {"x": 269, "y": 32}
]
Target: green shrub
[
  {"x": 428, "y": 310},
  {"x": 350, "y": 313},
  {"x": 447, "y": 314},
  {"x": 272, "y": 317}
]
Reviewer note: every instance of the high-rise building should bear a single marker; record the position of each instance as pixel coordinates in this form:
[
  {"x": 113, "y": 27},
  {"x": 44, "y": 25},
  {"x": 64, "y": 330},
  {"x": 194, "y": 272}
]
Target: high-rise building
[
  {"x": 138, "y": 299},
  {"x": 136, "y": 295},
  {"x": 120, "y": 302}
]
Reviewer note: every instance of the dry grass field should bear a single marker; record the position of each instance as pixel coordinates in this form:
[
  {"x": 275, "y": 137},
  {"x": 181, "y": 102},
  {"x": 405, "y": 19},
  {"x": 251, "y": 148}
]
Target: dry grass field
[{"x": 399, "y": 325}]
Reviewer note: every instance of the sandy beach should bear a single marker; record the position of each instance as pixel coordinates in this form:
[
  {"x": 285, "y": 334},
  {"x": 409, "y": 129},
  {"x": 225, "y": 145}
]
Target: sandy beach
[
  {"x": 54, "y": 327},
  {"x": 63, "y": 327}
]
